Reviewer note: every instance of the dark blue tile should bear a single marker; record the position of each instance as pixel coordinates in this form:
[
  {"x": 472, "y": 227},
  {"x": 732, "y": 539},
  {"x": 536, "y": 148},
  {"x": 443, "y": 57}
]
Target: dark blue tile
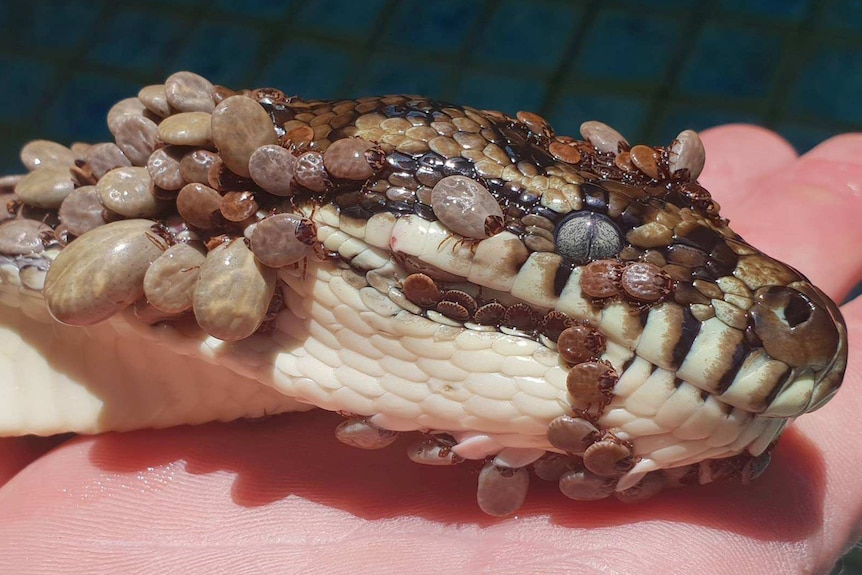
[
  {"x": 222, "y": 53},
  {"x": 254, "y": 8},
  {"x": 79, "y": 110},
  {"x": 137, "y": 39},
  {"x": 50, "y": 24},
  {"x": 261, "y": 9},
  {"x": 682, "y": 117},
  {"x": 402, "y": 76},
  {"x": 10, "y": 147},
  {"x": 435, "y": 25},
  {"x": 26, "y": 86},
  {"x": 782, "y": 10},
  {"x": 308, "y": 70},
  {"x": 803, "y": 137},
  {"x": 181, "y": 3},
  {"x": 532, "y": 34},
  {"x": 830, "y": 85},
  {"x": 629, "y": 47},
  {"x": 640, "y": 5},
  {"x": 842, "y": 569},
  {"x": 731, "y": 62},
  {"x": 626, "y": 114},
  {"x": 503, "y": 92},
  {"x": 356, "y": 19},
  {"x": 843, "y": 15}
]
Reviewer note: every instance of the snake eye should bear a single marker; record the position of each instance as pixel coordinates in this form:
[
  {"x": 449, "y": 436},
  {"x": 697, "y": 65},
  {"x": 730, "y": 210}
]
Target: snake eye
[{"x": 586, "y": 236}]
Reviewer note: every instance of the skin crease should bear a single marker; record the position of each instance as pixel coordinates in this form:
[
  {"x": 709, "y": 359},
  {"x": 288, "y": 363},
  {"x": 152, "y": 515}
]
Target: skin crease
[{"x": 283, "y": 496}]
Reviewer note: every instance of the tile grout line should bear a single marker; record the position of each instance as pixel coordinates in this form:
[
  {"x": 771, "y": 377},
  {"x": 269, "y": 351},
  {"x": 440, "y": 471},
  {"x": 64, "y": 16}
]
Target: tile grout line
[
  {"x": 795, "y": 54},
  {"x": 558, "y": 78},
  {"x": 273, "y": 40},
  {"x": 67, "y": 66},
  {"x": 658, "y": 103},
  {"x": 361, "y": 61},
  {"x": 461, "y": 57}
]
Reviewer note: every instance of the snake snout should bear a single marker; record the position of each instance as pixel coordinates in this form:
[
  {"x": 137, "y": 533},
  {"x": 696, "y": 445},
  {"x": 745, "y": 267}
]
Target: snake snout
[{"x": 800, "y": 326}]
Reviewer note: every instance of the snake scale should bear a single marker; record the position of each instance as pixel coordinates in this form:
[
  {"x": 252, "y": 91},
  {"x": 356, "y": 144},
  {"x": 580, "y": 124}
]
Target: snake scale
[{"x": 575, "y": 310}]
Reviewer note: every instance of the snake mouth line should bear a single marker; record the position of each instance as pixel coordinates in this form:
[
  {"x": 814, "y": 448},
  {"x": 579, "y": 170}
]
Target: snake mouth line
[{"x": 577, "y": 307}]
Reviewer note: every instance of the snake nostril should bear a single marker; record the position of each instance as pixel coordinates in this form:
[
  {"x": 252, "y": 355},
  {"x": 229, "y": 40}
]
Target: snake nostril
[
  {"x": 798, "y": 309},
  {"x": 795, "y": 326}
]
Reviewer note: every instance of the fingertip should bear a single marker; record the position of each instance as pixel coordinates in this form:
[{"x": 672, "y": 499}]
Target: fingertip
[
  {"x": 843, "y": 148},
  {"x": 739, "y": 153},
  {"x": 741, "y": 139}
]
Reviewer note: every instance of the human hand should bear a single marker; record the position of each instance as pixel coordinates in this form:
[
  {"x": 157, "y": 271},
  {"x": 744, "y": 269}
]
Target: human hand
[{"x": 283, "y": 496}]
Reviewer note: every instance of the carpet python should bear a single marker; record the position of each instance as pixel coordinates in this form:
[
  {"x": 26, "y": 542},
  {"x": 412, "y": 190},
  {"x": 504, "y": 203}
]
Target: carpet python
[{"x": 569, "y": 309}]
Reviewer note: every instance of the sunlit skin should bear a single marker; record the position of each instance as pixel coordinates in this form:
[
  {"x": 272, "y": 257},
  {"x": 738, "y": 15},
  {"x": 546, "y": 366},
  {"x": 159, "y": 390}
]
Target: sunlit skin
[{"x": 283, "y": 496}]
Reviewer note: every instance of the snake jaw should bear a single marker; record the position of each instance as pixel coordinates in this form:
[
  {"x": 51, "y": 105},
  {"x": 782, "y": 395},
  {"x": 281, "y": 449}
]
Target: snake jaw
[{"x": 576, "y": 307}]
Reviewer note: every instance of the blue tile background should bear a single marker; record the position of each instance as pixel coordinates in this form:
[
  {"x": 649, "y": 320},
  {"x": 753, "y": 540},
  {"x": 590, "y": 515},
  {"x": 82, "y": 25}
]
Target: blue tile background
[
  {"x": 772, "y": 9},
  {"x": 330, "y": 17},
  {"x": 532, "y": 35},
  {"x": 731, "y": 63},
  {"x": 648, "y": 67},
  {"x": 824, "y": 89},
  {"x": 435, "y": 27},
  {"x": 625, "y": 33}
]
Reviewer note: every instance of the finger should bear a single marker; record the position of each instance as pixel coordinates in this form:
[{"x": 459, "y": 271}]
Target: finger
[
  {"x": 807, "y": 214},
  {"x": 737, "y": 154}
]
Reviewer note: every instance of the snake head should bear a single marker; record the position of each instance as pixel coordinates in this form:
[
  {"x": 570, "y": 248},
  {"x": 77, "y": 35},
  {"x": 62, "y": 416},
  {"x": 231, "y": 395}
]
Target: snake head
[{"x": 574, "y": 308}]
